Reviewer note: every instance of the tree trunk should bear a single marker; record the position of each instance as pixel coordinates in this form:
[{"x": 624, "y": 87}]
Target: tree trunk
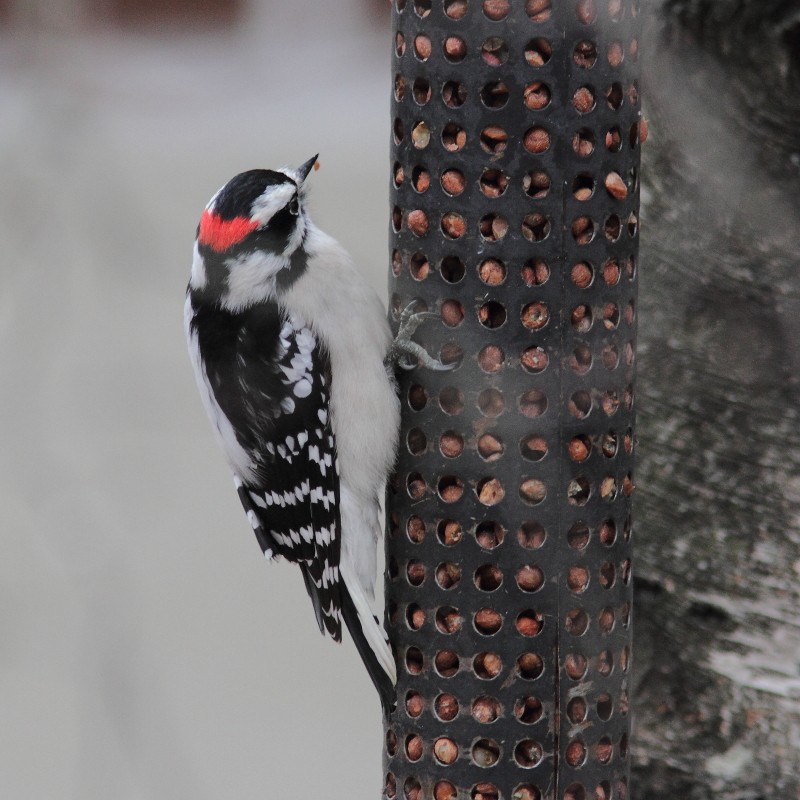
[{"x": 717, "y": 642}]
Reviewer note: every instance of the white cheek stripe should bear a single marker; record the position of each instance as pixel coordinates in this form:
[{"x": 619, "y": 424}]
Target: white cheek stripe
[
  {"x": 251, "y": 279},
  {"x": 271, "y": 201}
]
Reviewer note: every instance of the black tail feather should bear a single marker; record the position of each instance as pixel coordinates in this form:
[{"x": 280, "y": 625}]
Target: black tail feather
[{"x": 383, "y": 683}]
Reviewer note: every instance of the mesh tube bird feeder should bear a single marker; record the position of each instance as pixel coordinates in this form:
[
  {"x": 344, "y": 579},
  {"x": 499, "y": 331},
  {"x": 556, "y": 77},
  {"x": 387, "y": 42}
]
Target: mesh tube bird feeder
[{"x": 514, "y": 217}]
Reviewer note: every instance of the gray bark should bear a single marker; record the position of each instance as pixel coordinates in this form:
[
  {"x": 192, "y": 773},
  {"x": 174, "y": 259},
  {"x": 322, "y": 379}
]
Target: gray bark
[{"x": 717, "y": 639}]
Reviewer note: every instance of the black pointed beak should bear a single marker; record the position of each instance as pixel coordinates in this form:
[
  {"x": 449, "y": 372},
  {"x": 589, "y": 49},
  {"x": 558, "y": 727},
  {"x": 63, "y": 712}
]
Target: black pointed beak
[{"x": 304, "y": 169}]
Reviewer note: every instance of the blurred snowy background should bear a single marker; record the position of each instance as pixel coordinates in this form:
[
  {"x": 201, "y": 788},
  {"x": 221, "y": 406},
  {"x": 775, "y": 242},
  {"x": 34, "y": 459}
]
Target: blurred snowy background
[{"x": 146, "y": 650}]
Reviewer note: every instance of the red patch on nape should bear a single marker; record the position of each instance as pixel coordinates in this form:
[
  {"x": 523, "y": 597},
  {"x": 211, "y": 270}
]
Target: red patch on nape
[{"x": 220, "y": 234}]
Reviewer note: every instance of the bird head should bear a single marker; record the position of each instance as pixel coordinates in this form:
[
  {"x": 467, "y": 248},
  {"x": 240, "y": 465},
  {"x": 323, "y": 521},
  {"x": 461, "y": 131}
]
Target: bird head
[{"x": 250, "y": 235}]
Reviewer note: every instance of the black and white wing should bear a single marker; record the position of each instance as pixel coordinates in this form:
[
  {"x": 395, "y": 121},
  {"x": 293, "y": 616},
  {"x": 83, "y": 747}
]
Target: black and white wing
[{"x": 268, "y": 381}]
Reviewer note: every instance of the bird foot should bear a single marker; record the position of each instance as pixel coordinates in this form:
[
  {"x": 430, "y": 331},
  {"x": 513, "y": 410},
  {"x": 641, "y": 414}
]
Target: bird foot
[{"x": 407, "y": 354}]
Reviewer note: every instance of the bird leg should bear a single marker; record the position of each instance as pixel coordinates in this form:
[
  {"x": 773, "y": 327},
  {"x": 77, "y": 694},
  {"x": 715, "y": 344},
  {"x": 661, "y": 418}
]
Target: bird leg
[{"x": 403, "y": 351}]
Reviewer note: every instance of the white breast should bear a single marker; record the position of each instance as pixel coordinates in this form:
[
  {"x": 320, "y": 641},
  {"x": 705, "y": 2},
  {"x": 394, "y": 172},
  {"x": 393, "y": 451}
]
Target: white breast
[{"x": 349, "y": 318}]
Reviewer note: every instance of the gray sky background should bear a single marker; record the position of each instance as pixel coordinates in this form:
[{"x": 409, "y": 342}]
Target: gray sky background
[{"x": 146, "y": 649}]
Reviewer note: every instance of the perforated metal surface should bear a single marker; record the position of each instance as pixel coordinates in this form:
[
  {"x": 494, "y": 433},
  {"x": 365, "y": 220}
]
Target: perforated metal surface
[{"x": 514, "y": 202}]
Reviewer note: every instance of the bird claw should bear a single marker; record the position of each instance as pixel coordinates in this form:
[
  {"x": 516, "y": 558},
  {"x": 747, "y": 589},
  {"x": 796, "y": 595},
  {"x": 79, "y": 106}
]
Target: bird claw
[{"x": 407, "y": 354}]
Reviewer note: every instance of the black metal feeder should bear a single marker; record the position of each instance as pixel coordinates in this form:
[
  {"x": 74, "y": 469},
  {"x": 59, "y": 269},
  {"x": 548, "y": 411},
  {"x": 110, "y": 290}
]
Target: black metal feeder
[{"x": 514, "y": 208}]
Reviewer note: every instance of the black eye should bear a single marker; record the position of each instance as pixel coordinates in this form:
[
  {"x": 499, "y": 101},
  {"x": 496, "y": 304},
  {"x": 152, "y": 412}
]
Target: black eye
[{"x": 294, "y": 207}]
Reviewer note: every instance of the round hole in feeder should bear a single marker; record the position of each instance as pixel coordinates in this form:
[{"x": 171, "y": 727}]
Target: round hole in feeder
[
  {"x": 575, "y": 791},
  {"x": 422, "y": 8},
  {"x": 489, "y": 534},
  {"x": 494, "y": 50},
  {"x": 485, "y": 752},
  {"x": 487, "y": 665},
  {"x": 533, "y": 403},
  {"x": 493, "y": 227},
  {"x": 494, "y": 94},
  {"x": 488, "y": 577},
  {"x": 608, "y": 575},
  {"x": 415, "y": 529},
  {"x": 490, "y": 491},
  {"x": 493, "y": 182},
  {"x": 455, "y": 49},
  {"x": 536, "y": 227},
  {"x": 421, "y": 90},
  {"x": 536, "y": 184},
  {"x": 535, "y": 272},
  {"x": 583, "y": 186},
  {"x": 604, "y": 663},
  {"x": 528, "y": 709},
  {"x": 528, "y": 753},
  {"x": 530, "y": 666},
  {"x": 535, "y": 316},
  {"x": 448, "y": 620},
  {"x": 538, "y": 52},
  {"x": 449, "y": 532},
  {"x": 452, "y": 269},
  {"x": 420, "y": 135},
  {"x": 531, "y": 535},
  {"x": 577, "y": 579},
  {"x": 414, "y": 660},
  {"x": 492, "y": 314},
  {"x": 484, "y": 791},
  {"x": 583, "y": 142},
  {"x": 578, "y": 535},
  {"x": 583, "y": 99},
  {"x": 614, "y": 95},
  {"x": 534, "y": 360},
  {"x": 444, "y": 790},
  {"x": 578, "y": 491},
  {"x": 446, "y": 663},
  {"x": 454, "y": 137},
  {"x": 536, "y": 140},
  {"x": 488, "y": 621},
  {"x": 538, "y": 10},
  {"x": 416, "y": 486},
  {"x": 491, "y": 402},
  {"x": 414, "y": 747},
  {"x": 451, "y": 400},
  {"x": 605, "y": 706},
  {"x": 585, "y": 54},
  {"x": 576, "y": 621},
  {"x": 420, "y": 179},
  {"x": 448, "y": 575},
  {"x": 415, "y": 616},
  {"x": 580, "y": 404},
  {"x": 414, "y": 704},
  {"x": 486, "y": 709},
  {"x": 399, "y": 87},
  {"x": 453, "y": 182},
  {"x": 419, "y": 266},
  {"x": 415, "y": 572},
  {"x": 576, "y": 710},
  {"x": 445, "y": 750},
  {"x": 529, "y": 622},
  {"x": 536, "y": 95},
  {"x": 446, "y": 707},
  {"x": 454, "y": 94},
  {"x": 451, "y": 444},
  {"x": 491, "y": 358},
  {"x": 455, "y": 9},
  {"x": 603, "y": 750},
  {"x": 493, "y": 139}
]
